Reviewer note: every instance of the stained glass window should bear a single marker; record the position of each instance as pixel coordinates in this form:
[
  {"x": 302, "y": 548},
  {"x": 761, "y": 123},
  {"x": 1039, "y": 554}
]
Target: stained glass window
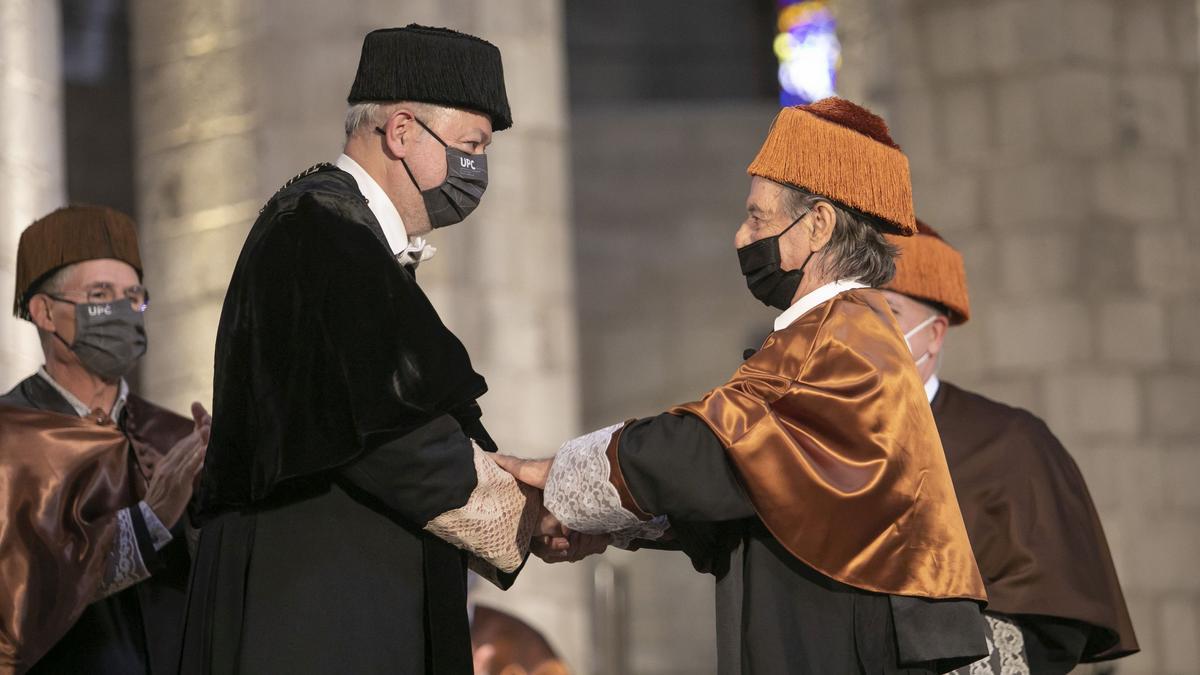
[{"x": 808, "y": 51}]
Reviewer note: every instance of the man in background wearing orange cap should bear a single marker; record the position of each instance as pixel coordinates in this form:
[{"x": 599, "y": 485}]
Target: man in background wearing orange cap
[
  {"x": 1054, "y": 599},
  {"x": 812, "y": 484},
  {"x": 93, "y": 479}
]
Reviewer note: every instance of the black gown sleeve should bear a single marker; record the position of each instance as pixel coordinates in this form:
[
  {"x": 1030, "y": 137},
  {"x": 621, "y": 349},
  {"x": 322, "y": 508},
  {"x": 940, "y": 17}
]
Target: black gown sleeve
[
  {"x": 675, "y": 466},
  {"x": 1053, "y": 646},
  {"x": 417, "y": 476}
]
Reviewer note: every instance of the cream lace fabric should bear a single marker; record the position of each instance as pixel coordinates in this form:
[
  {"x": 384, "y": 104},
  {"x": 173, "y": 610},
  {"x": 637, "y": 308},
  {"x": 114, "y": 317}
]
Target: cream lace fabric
[
  {"x": 498, "y": 520},
  {"x": 1006, "y": 645},
  {"x": 580, "y": 494},
  {"x": 124, "y": 566}
]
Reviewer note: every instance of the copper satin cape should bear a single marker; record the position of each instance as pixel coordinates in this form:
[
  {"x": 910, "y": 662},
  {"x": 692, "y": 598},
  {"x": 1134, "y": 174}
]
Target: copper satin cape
[
  {"x": 830, "y": 431},
  {"x": 1036, "y": 534},
  {"x": 62, "y": 481}
]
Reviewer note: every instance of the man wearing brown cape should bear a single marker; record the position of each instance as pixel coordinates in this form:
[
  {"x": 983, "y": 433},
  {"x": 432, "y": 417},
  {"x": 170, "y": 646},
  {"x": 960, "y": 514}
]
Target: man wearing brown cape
[
  {"x": 811, "y": 484},
  {"x": 1053, "y": 596},
  {"x": 93, "y": 479}
]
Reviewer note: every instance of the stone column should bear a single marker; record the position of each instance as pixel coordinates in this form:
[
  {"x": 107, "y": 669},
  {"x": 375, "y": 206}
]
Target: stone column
[
  {"x": 235, "y": 97},
  {"x": 32, "y": 181}
]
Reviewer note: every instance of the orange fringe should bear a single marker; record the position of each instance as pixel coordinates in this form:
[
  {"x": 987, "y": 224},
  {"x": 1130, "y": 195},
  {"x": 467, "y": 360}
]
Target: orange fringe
[
  {"x": 834, "y": 161},
  {"x": 929, "y": 269}
]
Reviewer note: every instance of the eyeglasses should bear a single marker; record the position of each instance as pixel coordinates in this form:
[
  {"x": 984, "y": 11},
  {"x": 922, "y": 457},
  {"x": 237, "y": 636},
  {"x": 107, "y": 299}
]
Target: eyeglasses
[{"x": 105, "y": 293}]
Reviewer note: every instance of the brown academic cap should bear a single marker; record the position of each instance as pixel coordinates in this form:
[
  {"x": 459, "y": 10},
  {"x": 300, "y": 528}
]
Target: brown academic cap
[
  {"x": 930, "y": 270},
  {"x": 69, "y": 235},
  {"x": 842, "y": 151}
]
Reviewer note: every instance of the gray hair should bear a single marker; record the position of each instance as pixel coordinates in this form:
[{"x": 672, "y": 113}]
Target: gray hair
[
  {"x": 857, "y": 248},
  {"x": 366, "y": 116}
]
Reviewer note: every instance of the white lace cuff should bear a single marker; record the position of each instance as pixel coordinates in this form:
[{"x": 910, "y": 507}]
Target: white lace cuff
[
  {"x": 498, "y": 520},
  {"x": 124, "y": 566},
  {"x": 581, "y": 495},
  {"x": 159, "y": 534}
]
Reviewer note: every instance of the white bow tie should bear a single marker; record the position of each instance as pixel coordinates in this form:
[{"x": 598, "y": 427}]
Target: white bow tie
[{"x": 417, "y": 252}]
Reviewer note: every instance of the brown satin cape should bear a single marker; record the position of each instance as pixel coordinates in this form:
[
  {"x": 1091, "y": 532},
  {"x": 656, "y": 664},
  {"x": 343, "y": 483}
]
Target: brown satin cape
[
  {"x": 832, "y": 436},
  {"x": 62, "y": 481},
  {"x": 1037, "y": 537}
]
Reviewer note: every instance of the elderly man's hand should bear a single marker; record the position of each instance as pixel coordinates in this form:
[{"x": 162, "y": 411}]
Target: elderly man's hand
[
  {"x": 170, "y": 488},
  {"x": 532, "y": 472},
  {"x": 554, "y": 542}
]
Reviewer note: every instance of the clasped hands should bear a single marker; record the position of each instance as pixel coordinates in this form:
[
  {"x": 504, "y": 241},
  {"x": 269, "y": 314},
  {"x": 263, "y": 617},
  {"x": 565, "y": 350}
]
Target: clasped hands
[{"x": 553, "y": 542}]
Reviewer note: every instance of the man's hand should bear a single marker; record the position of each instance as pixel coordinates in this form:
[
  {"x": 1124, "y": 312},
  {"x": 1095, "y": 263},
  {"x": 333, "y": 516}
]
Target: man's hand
[
  {"x": 554, "y": 542},
  {"x": 170, "y": 488},
  {"x": 532, "y": 472}
]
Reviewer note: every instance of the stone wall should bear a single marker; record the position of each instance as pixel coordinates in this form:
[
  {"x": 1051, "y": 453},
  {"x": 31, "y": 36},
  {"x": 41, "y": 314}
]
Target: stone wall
[{"x": 1055, "y": 143}]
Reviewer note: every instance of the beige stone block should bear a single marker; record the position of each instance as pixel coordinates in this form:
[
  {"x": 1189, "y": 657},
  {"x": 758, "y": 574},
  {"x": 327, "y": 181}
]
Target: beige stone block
[
  {"x": 952, "y": 37},
  {"x": 1171, "y": 402},
  {"x": 1034, "y": 194},
  {"x": 1181, "y": 466},
  {"x": 1153, "y": 113},
  {"x": 1166, "y": 262},
  {"x": 966, "y": 132},
  {"x": 1180, "y": 634},
  {"x": 1162, "y": 553},
  {"x": 1139, "y": 191},
  {"x": 1133, "y": 332},
  {"x": 948, "y": 200},
  {"x": 1078, "y": 107},
  {"x": 1019, "y": 391},
  {"x": 1093, "y": 404},
  {"x": 1142, "y": 37},
  {"x": 1017, "y": 34},
  {"x": 1037, "y": 335},
  {"x": 1038, "y": 265},
  {"x": 1183, "y": 25},
  {"x": 194, "y": 178},
  {"x": 1111, "y": 267},
  {"x": 914, "y": 124},
  {"x": 1020, "y": 132},
  {"x": 964, "y": 352},
  {"x": 1183, "y": 332},
  {"x": 1088, "y": 30}
]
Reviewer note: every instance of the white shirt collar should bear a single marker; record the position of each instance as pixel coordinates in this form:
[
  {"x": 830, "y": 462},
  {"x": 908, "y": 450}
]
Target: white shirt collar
[
  {"x": 814, "y": 298},
  {"x": 80, "y": 407},
  {"x": 408, "y": 250},
  {"x": 931, "y": 387}
]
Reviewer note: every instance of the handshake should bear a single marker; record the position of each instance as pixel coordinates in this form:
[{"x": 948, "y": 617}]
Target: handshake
[{"x": 552, "y": 541}]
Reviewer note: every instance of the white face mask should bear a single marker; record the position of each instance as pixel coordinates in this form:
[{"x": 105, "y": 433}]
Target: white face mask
[{"x": 917, "y": 329}]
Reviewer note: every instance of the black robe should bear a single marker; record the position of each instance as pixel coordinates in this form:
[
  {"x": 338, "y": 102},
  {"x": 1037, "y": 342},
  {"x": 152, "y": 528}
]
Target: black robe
[
  {"x": 1035, "y": 533},
  {"x": 774, "y": 613},
  {"x": 137, "y": 630},
  {"x": 344, "y": 412}
]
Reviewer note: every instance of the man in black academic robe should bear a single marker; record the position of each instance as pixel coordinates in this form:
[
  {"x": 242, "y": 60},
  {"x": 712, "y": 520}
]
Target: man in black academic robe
[
  {"x": 1054, "y": 600},
  {"x": 347, "y": 490},
  {"x": 93, "y": 479}
]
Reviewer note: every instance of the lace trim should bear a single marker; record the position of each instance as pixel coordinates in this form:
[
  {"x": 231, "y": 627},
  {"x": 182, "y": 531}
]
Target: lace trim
[
  {"x": 580, "y": 494},
  {"x": 159, "y": 534},
  {"x": 1006, "y": 647},
  {"x": 498, "y": 520},
  {"x": 124, "y": 566}
]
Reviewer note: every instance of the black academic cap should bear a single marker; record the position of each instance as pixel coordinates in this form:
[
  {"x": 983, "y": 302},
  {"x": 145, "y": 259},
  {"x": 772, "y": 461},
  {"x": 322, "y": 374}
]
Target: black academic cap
[{"x": 432, "y": 65}]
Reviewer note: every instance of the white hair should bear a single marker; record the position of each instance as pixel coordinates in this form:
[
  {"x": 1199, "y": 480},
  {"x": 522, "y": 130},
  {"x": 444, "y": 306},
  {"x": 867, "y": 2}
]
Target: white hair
[{"x": 366, "y": 116}]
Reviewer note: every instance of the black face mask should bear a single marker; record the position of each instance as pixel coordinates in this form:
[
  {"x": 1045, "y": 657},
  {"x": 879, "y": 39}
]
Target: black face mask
[
  {"x": 110, "y": 337},
  {"x": 760, "y": 262},
  {"x": 460, "y": 193}
]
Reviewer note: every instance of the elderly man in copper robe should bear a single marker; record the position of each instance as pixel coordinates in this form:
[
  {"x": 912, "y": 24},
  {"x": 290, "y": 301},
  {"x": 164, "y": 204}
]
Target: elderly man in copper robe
[
  {"x": 1054, "y": 598},
  {"x": 94, "y": 480},
  {"x": 812, "y": 483}
]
